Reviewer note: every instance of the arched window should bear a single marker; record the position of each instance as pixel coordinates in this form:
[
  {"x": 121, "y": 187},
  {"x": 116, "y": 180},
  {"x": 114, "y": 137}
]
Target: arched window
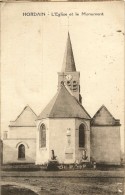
[
  {"x": 21, "y": 151},
  {"x": 42, "y": 136},
  {"x": 81, "y": 136}
]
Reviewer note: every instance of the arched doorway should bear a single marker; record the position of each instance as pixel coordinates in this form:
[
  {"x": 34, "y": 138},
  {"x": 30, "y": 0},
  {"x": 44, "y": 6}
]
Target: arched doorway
[
  {"x": 21, "y": 151},
  {"x": 81, "y": 136}
]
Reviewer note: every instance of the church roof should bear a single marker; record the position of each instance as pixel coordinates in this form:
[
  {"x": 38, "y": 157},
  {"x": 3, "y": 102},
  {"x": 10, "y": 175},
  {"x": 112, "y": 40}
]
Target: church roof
[
  {"x": 26, "y": 118},
  {"x": 104, "y": 118},
  {"x": 68, "y": 61},
  {"x": 64, "y": 105}
]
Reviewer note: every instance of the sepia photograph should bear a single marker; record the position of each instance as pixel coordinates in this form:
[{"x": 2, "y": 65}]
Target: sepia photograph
[{"x": 62, "y": 98}]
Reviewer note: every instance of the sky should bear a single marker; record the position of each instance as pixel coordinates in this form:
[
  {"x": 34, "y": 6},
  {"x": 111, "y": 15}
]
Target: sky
[{"x": 32, "y": 50}]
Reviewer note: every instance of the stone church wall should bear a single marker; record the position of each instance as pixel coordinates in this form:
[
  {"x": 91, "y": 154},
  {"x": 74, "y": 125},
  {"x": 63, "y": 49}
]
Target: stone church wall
[
  {"x": 10, "y": 148},
  {"x": 62, "y": 131},
  {"x": 105, "y": 144},
  {"x": 42, "y": 154},
  {"x": 79, "y": 151},
  {"x": 62, "y": 137},
  {"x": 22, "y": 132},
  {"x": 15, "y": 137}
]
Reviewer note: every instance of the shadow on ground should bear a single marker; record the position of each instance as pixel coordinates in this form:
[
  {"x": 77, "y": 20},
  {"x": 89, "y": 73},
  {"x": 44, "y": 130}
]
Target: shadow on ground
[{"x": 15, "y": 190}]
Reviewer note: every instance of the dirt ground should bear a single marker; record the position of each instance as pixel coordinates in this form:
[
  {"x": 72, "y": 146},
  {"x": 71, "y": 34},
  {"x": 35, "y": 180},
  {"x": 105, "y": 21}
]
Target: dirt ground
[
  {"x": 13, "y": 190},
  {"x": 87, "y": 182},
  {"x": 102, "y": 186}
]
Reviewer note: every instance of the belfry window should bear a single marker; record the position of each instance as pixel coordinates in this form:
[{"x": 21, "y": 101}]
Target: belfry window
[
  {"x": 42, "y": 136},
  {"x": 74, "y": 85},
  {"x": 21, "y": 152},
  {"x": 81, "y": 136},
  {"x": 69, "y": 83}
]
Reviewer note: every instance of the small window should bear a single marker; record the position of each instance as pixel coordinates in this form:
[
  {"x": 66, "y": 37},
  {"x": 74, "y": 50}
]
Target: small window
[
  {"x": 82, "y": 136},
  {"x": 42, "y": 136},
  {"x": 21, "y": 152}
]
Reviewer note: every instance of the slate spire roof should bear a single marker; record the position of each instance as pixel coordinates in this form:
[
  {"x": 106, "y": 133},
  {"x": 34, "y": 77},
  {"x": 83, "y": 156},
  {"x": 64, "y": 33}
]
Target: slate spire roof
[
  {"x": 64, "y": 105},
  {"x": 68, "y": 61},
  {"x": 104, "y": 118}
]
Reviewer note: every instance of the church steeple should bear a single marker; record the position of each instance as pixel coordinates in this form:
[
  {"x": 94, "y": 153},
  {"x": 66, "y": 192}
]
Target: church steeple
[
  {"x": 68, "y": 61},
  {"x": 68, "y": 75}
]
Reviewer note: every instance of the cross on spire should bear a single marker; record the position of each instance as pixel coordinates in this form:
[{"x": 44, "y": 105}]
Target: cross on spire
[{"x": 68, "y": 24}]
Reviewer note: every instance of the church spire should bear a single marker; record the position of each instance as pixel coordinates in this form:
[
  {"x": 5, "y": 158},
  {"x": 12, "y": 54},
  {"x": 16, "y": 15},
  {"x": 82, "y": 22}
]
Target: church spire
[
  {"x": 68, "y": 75},
  {"x": 68, "y": 61}
]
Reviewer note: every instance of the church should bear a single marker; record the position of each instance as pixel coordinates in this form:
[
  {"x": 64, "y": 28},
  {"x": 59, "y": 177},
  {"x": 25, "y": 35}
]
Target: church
[{"x": 64, "y": 126}]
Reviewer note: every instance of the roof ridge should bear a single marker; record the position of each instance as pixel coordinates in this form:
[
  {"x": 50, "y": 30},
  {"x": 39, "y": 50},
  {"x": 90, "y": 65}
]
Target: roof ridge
[
  {"x": 103, "y": 106},
  {"x": 57, "y": 93},
  {"x": 68, "y": 90},
  {"x": 81, "y": 106},
  {"x": 62, "y": 85},
  {"x": 27, "y": 106},
  {"x": 31, "y": 110},
  {"x": 64, "y": 104}
]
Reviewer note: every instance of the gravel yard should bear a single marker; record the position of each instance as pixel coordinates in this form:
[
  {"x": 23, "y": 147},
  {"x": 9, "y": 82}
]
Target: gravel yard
[
  {"x": 87, "y": 182},
  {"x": 62, "y": 186}
]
